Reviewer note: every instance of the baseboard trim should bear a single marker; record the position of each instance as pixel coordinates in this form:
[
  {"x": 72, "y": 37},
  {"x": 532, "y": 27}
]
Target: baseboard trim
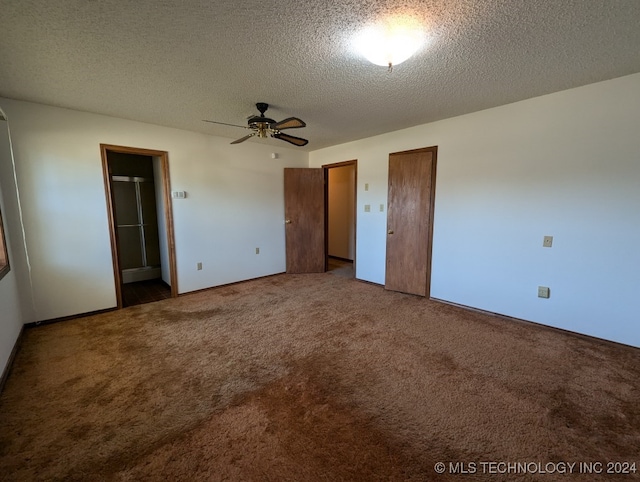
[
  {"x": 539, "y": 325},
  {"x": 107, "y": 310},
  {"x": 340, "y": 258},
  {"x": 67, "y": 318},
  {"x": 210, "y": 288},
  {"x": 369, "y": 282},
  {"x": 14, "y": 351}
]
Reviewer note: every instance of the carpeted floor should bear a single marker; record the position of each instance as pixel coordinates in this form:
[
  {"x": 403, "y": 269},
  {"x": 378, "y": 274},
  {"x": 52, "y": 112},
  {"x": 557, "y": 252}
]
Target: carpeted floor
[
  {"x": 340, "y": 267},
  {"x": 316, "y": 378}
]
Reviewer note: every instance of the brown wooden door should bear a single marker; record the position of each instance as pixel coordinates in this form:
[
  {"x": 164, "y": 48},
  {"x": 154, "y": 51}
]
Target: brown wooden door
[
  {"x": 304, "y": 213},
  {"x": 410, "y": 220}
]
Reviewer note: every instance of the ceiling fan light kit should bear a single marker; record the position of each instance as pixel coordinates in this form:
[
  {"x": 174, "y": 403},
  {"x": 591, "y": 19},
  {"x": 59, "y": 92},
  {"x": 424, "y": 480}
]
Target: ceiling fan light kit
[{"x": 264, "y": 127}]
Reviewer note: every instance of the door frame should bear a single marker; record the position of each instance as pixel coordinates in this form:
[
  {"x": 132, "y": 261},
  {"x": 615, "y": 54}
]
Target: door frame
[
  {"x": 168, "y": 212},
  {"x": 432, "y": 200},
  {"x": 326, "y": 167}
]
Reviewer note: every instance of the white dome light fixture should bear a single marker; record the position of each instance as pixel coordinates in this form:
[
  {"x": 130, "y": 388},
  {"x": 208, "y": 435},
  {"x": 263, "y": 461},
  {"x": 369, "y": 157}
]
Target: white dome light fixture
[{"x": 390, "y": 42}]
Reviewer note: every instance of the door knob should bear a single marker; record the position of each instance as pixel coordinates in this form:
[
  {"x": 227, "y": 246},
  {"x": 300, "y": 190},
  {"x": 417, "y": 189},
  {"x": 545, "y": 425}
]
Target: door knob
[
  {"x": 287, "y": 221},
  {"x": 390, "y": 231}
]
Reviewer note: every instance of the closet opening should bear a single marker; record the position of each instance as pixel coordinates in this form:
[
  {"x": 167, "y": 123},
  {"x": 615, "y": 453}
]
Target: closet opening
[{"x": 141, "y": 226}]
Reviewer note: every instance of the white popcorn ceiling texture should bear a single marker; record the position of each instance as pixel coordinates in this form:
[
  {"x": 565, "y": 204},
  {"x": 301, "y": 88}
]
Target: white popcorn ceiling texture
[{"x": 176, "y": 62}]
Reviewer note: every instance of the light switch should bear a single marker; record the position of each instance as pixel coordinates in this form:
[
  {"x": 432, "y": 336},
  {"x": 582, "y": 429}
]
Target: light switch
[
  {"x": 367, "y": 208},
  {"x": 178, "y": 194},
  {"x": 381, "y": 208},
  {"x": 543, "y": 292},
  {"x": 547, "y": 241},
  {"x": 366, "y": 186}
]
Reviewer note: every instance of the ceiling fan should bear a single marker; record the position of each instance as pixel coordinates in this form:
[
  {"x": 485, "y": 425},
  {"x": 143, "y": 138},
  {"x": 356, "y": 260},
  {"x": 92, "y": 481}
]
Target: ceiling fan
[{"x": 264, "y": 127}]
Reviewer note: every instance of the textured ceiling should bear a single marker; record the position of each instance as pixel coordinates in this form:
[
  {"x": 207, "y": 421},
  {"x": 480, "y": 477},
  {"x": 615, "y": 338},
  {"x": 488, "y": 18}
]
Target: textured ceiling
[{"x": 176, "y": 62}]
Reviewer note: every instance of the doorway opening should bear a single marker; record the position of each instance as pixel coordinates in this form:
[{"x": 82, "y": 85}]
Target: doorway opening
[
  {"x": 140, "y": 223},
  {"x": 340, "y": 217}
]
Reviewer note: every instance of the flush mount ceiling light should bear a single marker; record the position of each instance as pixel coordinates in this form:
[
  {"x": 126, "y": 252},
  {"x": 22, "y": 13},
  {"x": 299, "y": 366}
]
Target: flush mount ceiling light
[{"x": 391, "y": 41}]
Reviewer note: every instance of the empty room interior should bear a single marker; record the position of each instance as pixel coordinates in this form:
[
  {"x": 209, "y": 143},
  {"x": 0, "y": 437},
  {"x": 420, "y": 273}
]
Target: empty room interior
[{"x": 320, "y": 241}]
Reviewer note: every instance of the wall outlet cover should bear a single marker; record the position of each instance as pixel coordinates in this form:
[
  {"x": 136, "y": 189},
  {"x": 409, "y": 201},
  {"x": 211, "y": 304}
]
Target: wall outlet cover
[{"x": 543, "y": 292}]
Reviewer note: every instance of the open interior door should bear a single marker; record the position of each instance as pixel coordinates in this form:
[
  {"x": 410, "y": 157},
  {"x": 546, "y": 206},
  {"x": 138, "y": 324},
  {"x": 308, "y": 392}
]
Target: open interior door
[{"x": 304, "y": 210}]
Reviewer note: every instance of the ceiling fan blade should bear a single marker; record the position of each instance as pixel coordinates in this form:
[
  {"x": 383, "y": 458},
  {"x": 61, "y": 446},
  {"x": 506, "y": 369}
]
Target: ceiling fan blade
[
  {"x": 289, "y": 123},
  {"x": 223, "y": 123},
  {"x": 296, "y": 141},
  {"x": 242, "y": 139}
]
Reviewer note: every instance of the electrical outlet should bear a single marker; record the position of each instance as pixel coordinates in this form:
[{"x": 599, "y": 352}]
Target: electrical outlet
[
  {"x": 257, "y": 250},
  {"x": 543, "y": 292},
  {"x": 547, "y": 241},
  {"x": 367, "y": 208},
  {"x": 199, "y": 266}
]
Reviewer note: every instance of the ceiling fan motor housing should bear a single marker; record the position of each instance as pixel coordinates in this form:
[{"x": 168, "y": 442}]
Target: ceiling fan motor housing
[
  {"x": 257, "y": 120},
  {"x": 260, "y": 122}
]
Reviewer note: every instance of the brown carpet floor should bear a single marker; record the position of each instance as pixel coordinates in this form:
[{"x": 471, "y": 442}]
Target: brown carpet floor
[
  {"x": 340, "y": 267},
  {"x": 315, "y": 378}
]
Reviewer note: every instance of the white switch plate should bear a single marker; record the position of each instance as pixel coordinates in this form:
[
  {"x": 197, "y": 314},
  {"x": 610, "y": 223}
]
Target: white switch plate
[
  {"x": 257, "y": 250},
  {"x": 547, "y": 241},
  {"x": 543, "y": 292},
  {"x": 366, "y": 186},
  {"x": 381, "y": 208},
  {"x": 199, "y": 266},
  {"x": 367, "y": 208},
  {"x": 178, "y": 194}
]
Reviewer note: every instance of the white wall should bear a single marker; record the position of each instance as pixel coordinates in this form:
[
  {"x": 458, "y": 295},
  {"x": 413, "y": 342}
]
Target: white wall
[
  {"x": 11, "y": 312},
  {"x": 341, "y": 197},
  {"x": 234, "y": 204},
  {"x": 566, "y": 165}
]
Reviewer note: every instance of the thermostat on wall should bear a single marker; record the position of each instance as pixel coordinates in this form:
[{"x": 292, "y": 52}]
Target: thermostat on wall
[{"x": 178, "y": 194}]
